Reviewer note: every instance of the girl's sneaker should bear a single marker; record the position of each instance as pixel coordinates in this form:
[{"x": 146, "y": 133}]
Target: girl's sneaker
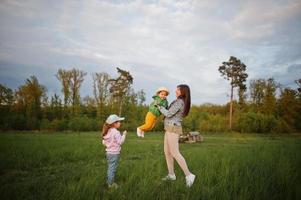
[
  {"x": 142, "y": 134},
  {"x": 113, "y": 186},
  {"x": 169, "y": 177},
  {"x": 189, "y": 180}
]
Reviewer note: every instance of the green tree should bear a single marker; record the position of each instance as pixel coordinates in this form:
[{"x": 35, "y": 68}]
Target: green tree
[
  {"x": 89, "y": 107},
  {"x": 235, "y": 71},
  {"x": 101, "y": 92},
  {"x": 71, "y": 81},
  {"x": 257, "y": 88},
  {"x": 269, "y": 99},
  {"x": 6, "y": 95},
  {"x": 141, "y": 97},
  {"x": 30, "y": 96},
  {"x": 120, "y": 86},
  {"x": 6, "y": 101},
  {"x": 56, "y": 107},
  {"x": 242, "y": 96},
  {"x": 298, "y": 125},
  {"x": 64, "y": 77},
  {"x": 192, "y": 121},
  {"x": 77, "y": 78},
  {"x": 263, "y": 95},
  {"x": 288, "y": 106}
]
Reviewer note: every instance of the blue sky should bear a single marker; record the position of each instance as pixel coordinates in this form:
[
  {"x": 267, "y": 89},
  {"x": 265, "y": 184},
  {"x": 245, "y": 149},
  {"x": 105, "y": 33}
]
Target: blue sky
[{"x": 162, "y": 43}]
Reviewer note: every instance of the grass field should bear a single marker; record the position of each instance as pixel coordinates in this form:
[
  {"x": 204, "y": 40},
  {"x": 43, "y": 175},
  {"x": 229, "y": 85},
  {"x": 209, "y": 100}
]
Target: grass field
[{"x": 72, "y": 166}]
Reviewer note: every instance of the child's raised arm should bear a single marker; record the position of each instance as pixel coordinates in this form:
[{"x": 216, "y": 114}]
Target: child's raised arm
[{"x": 120, "y": 139}]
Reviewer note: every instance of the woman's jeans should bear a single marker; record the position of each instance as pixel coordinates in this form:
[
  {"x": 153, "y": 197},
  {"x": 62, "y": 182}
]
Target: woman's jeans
[{"x": 112, "y": 166}]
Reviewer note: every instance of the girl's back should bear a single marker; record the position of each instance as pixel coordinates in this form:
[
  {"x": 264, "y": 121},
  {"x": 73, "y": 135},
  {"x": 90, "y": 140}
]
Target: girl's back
[{"x": 113, "y": 140}]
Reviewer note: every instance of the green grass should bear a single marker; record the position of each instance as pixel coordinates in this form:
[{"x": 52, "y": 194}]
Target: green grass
[{"x": 73, "y": 166}]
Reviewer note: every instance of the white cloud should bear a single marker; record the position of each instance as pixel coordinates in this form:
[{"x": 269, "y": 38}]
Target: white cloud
[
  {"x": 259, "y": 20},
  {"x": 161, "y": 43}
]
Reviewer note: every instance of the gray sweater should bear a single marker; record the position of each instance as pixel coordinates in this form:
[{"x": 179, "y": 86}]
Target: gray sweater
[{"x": 174, "y": 114}]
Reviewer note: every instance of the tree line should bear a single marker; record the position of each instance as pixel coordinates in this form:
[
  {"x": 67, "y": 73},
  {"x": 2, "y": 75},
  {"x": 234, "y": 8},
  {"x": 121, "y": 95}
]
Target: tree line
[
  {"x": 264, "y": 106},
  {"x": 29, "y": 107},
  {"x": 263, "y": 112},
  {"x": 268, "y": 107}
]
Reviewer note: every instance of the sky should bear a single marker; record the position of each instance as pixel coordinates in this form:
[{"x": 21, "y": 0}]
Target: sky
[{"x": 161, "y": 43}]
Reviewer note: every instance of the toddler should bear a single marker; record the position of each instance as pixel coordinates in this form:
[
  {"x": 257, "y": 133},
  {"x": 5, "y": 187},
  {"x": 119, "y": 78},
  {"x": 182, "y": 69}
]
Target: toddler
[{"x": 153, "y": 112}]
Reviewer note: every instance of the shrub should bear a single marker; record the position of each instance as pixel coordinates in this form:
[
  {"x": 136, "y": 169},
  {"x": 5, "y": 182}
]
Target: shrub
[
  {"x": 59, "y": 125},
  {"x": 282, "y": 127},
  {"x": 214, "y": 123},
  {"x": 18, "y": 122},
  {"x": 45, "y": 124},
  {"x": 83, "y": 124},
  {"x": 255, "y": 123}
]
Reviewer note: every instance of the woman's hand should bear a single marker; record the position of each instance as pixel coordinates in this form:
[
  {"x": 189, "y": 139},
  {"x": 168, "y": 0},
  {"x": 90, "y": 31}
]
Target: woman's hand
[{"x": 124, "y": 132}]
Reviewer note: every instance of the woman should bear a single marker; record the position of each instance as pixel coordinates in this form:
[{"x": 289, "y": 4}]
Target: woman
[{"x": 178, "y": 109}]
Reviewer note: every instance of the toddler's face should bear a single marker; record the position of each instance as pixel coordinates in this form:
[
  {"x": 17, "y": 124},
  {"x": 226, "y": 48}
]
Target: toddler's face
[{"x": 162, "y": 94}]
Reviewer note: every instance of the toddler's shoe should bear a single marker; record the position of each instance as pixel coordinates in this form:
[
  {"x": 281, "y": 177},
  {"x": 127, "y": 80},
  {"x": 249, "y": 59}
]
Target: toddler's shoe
[
  {"x": 139, "y": 132},
  {"x": 189, "y": 180},
  {"x": 169, "y": 177},
  {"x": 142, "y": 134}
]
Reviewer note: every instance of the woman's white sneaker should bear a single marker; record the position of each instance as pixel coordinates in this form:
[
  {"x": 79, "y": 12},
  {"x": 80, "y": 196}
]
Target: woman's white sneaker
[
  {"x": 189, "y": 180},
  {"x": 169, "y": 177}
]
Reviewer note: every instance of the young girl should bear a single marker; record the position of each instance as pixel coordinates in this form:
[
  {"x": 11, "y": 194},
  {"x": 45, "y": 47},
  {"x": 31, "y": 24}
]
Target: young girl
[
  {"x": 113, "y": 140},
  {"x": 153, "y": 112}
]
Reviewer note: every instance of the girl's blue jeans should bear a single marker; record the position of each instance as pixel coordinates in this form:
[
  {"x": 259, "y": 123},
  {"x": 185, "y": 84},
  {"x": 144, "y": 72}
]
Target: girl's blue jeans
[{"x": 112, "y": 166}]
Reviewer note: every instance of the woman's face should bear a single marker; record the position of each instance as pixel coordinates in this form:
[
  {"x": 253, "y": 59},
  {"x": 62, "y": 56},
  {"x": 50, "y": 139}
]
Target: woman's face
[{"x": 178, "y": 92}]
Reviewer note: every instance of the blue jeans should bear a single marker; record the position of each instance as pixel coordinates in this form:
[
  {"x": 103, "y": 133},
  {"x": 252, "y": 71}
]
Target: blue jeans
[{"x": 112, "y": 166}]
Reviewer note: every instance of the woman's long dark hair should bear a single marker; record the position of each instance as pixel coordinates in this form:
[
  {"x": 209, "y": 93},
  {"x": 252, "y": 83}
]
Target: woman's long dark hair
[{"x": 185, "y": 95}]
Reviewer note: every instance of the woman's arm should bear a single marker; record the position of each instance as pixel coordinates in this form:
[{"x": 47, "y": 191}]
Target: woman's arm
[{"x": 174, "y": 108}]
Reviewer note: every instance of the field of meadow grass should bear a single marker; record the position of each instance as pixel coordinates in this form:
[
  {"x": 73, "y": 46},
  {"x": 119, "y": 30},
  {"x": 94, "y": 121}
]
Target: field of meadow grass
[{"x": 73, "y": 166}]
